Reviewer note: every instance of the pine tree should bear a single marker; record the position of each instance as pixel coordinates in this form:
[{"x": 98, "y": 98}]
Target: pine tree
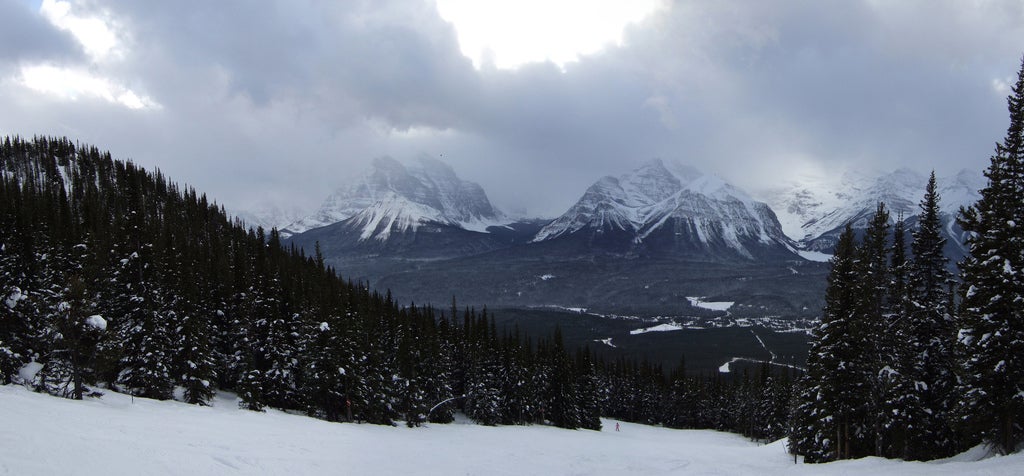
[
  {"x": 681, "y": 399},
  {"x": 824, "y": 418},
  {"x": 898, "y": 398},
  {"x": 929, "y": 336},
  {"x": 325, "y": 382},
  {"x": 867, "y": 367},
  {"x": 517, "y": 393},
  {"x": 12, "y": 317},
  {"x": 991, "y": 314},
  {"x": 587, "y": 389},
  {"x": 484, "y": 397},
  {"x": 146, "y": 342},
  {"x": 562, "y": 404}
]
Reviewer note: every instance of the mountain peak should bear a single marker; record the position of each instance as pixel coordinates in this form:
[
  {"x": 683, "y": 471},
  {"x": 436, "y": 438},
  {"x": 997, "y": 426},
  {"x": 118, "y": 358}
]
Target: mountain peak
[
  {"x": 671, "y": 206},
  {"x": 405, "y": 196}
]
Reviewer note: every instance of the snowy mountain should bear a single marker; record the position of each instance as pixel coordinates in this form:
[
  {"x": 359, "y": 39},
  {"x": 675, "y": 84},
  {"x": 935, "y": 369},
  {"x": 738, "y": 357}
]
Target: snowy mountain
[
  {"x": 394, "y": 198},
  {"x": 269, "y": 215},
  {"x": 669, "y": 207},
  {"x": 813, "y": 210}
]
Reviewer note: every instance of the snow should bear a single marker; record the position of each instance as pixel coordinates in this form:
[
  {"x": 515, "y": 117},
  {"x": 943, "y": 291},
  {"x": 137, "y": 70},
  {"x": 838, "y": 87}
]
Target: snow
[
  {"x": 607, "y": 342},
  {"x": 12, "y": 299},
  {"x": 713, "y": 306},
  {"x": 324, "y": 327},
  {"x": 814, "y": 256},
  {"x": 28, "y": 372},
  {"x": 546, "y": 277},
  {"x": 657, "y": 328},
  {"x": 96, "y": 322},
  {"x": 117, "y": 435}
]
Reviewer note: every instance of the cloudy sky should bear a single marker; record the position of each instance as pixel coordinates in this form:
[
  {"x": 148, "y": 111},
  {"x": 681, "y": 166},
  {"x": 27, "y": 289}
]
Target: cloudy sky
[{"x": 282, "y": 101}]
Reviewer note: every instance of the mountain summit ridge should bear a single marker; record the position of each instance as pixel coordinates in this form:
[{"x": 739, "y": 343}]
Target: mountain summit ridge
[{"x": 671, "y": 206}]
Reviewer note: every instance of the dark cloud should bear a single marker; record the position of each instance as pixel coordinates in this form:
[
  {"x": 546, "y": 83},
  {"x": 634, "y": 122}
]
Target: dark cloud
[
  {"x": 27, "y": 36},
  {"x": 284, "y": 100}
]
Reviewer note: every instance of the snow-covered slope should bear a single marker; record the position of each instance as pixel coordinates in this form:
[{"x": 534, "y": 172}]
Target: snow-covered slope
[
  {"x": 813, "y": 209},
  {"x": 392, "y": 197},
  {"x": 115, "y": 435},
  {"x": 661, "y": 202}
]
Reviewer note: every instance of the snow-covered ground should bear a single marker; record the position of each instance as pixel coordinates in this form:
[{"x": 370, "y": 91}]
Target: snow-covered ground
[
  {"x": 671, "y": 326},
  {"x": 713, "y": 306},
  {"x": 113, "y": 435}
]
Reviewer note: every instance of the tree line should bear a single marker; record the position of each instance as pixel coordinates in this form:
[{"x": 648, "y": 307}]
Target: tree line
[{"x": 114, "y": 277}]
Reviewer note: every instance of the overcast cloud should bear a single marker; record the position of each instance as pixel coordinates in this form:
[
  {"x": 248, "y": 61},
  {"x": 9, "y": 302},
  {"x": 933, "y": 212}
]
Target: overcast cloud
[{"x": 284, "y": 101}]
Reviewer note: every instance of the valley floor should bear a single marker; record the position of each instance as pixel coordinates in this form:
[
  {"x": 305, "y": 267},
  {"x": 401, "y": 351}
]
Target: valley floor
[{"x": 116, "y": 435}]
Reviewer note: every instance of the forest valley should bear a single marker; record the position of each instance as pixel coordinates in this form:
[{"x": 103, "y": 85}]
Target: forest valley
[{"x": 115, "y": 277}]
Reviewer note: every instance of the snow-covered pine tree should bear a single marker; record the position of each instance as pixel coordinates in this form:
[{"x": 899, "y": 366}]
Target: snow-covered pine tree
[
  {"x": 930, "y": 330},
  {"x": 440, "y": 393},
  {"x": 194, "y": 363},
  {"x": 375, "y": 376},
  {"x": 484, "y": 398},
  {"x": 518, "y": 399},
  {"x": 324, "y": 386},
  {"x": 146, "y": 343},
  {"x": 13, "y": 325},
  {"x": 991, "y": 313},
  {"x": 563, "y": 405},
  {"x": 865, "y": 370},
  {"x": 278, "y": 332},
  {"x": 897, "y": 397},
  {"x": 141, "y": 329},
  {"x": 823, "y": 421},
  {"x": 587, "y": 390},
  {"x": 414, "y": 377},
  {"x": 12, "y": 318},
  {"x": 774, "y": 404},
  {"x": 436, "y": 368},
  {"x": 681, "y": 399}
]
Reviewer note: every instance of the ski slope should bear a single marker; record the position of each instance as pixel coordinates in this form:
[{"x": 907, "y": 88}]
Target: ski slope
[{"x": 115, "y": 435}]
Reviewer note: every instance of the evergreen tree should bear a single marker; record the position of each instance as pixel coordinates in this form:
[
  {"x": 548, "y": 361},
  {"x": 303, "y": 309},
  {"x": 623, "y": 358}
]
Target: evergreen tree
[
  {"x": 517, "y": 393},
  {"x": 562, "y": 403},
  {"x": 587, "y": 389},
  {"x": 929, "y": 338},
  {"x": 898, "y": 398},
  {"x": 991, "y": 314},
  {"x": 484, "y": 398},
  {"x": 12, "y": 317},
  {"x": 872, "y": 269},
  {"x": 325, "y": 382},
  {"x": 825, "y": 418}
]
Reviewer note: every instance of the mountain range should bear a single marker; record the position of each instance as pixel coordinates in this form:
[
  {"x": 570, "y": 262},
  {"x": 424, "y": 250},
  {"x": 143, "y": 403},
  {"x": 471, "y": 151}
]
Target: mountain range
[
  {"x": 422, "y": 230},
  {"x": 814, "y": 210}
]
